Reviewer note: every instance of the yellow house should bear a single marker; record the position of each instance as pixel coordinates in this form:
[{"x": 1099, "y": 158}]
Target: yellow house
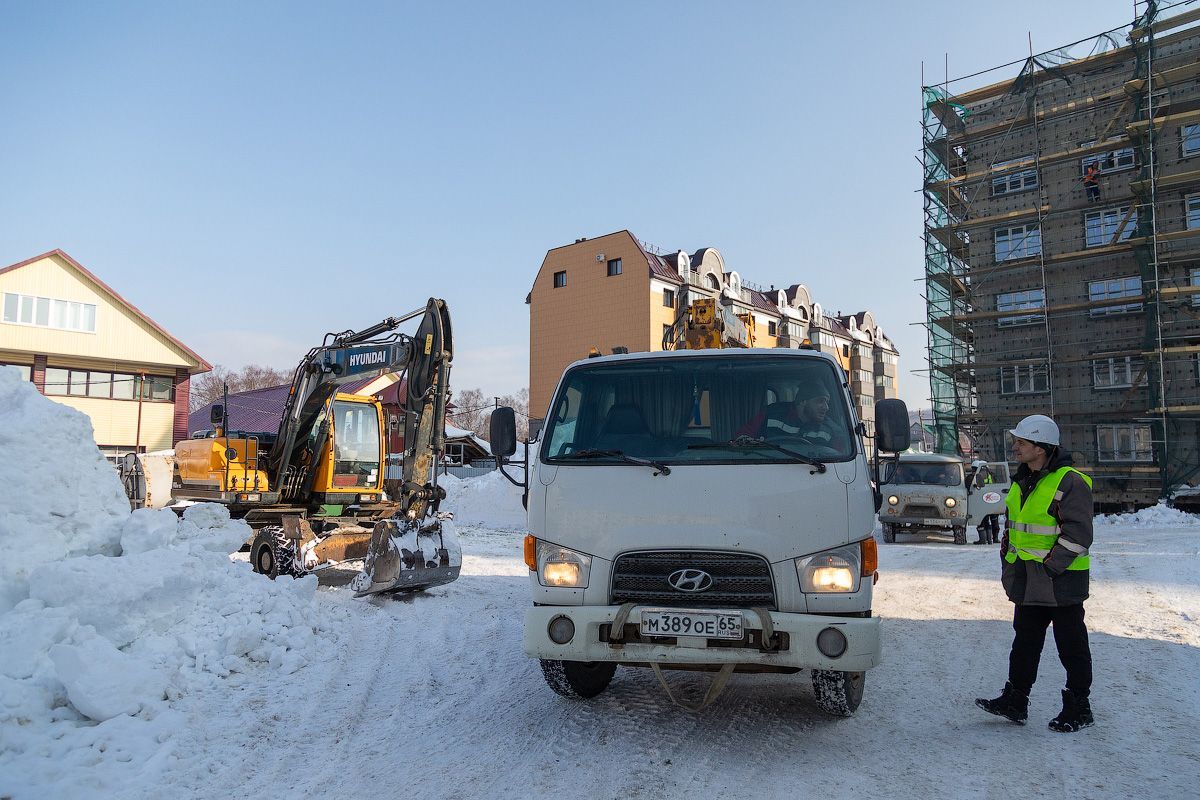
[{"x": 83, "y": 345}]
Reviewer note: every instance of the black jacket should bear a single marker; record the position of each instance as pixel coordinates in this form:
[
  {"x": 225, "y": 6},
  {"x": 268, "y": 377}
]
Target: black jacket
[{"x": 1051, "y": 583}]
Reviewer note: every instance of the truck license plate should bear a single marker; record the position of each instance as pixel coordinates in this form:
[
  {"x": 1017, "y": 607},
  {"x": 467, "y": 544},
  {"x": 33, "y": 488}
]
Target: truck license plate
[{"x": 686, "y": 622}]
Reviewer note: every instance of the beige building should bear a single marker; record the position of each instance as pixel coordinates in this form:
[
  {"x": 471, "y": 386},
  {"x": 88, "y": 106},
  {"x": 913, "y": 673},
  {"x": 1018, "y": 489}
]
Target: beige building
[
  {"x": 613, "y": 291},
  {"x": 84, "y": 346}
]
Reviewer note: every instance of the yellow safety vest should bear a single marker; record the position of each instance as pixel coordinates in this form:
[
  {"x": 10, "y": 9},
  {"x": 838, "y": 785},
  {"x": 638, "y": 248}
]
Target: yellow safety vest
[{"x": 1032, "y": 531}]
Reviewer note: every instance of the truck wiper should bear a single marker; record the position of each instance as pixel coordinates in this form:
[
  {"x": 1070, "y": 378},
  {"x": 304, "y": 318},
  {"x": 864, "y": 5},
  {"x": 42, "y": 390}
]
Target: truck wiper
[
  {"x": 747, "y": 441},
  {"x": 658, "y": 466}
]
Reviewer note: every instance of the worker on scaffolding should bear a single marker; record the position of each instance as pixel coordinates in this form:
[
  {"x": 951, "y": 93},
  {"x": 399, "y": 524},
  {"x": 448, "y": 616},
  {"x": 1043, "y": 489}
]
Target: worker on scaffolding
[{"x": 1091, "y": 181}]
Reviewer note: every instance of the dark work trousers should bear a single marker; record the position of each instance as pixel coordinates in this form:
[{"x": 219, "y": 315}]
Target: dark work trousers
[
  {"x": 1070, "y": 635},
  {"x": 989, "y": 529}
]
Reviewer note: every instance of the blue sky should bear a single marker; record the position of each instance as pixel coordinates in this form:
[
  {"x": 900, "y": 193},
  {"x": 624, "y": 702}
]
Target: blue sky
[{"x": 254, "y": 174}]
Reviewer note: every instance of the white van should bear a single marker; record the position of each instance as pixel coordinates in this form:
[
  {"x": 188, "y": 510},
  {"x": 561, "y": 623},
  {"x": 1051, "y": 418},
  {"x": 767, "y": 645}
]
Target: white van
[
  {"x": 689, "y": 510},
  {"x": 930, "y": 492}
]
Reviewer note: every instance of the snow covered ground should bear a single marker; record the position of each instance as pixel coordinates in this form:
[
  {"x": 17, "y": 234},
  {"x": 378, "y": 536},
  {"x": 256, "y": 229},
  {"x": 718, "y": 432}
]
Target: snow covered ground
[{"x": 137, "y": 660}]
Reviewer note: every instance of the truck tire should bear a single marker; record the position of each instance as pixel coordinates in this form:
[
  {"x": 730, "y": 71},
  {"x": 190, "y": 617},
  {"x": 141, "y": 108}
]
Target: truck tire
[
  {"x": 273, "y": 554},
  {"x": 889, "y": 533},
  {"x": 838, "y": 693},
  {"x": 579, "y": 680},
  {"x": 960, "y": 534}
]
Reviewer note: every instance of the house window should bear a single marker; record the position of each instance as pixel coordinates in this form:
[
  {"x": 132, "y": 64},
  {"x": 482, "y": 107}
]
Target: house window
[
  {"x": 1192, "y": 206},
  {"x": 115, "y": 452},
  {"x": 865, "y": 400},
  {"x": 862, "y": 376},
  {"x": 614, "y": 267},
  {"x": 772, "y": 328},
  {"x": 666, "y": 331},
  {"x": 1110, "y": 161},
  {"x": 885, "y": 381},
  {"x": 25, "y": 370},
  {"x": 1021, "y": 301},
  {"x": 109, "y": 385},
  {"x": 1019, "y": 241},
  {"x": 882, "y": 357},
  {"x": 1125, "y": 442},
  {"x": 560, "y": 279},
  {"x": 1100, "y": 227},
  {"x": 1024, "y": 379},
  {"x": 668, "y": 298},
  {"x": 1011, "y": 182},
  {"x": 845, "y": 351},
  {"x": 45, "y": 312},
  {"x": 1191, "y": 139},
  {"x": 1114, "y": 288},
  {"x": 1118, "y": 372},
  {"x": 711, "y": 281}
]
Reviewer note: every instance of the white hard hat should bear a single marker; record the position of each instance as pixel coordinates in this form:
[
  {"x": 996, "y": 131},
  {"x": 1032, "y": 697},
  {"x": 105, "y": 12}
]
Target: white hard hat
[
  {"x": 1037, "y": 428},
  {"x": 979, "y": 462}
]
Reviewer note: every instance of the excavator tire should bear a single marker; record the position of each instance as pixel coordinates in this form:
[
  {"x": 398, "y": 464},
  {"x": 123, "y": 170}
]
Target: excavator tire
[
  {"x": 578, "y": 680},
  {"x": 273, "y": 554},
  {"x": 838, "y": 693}
]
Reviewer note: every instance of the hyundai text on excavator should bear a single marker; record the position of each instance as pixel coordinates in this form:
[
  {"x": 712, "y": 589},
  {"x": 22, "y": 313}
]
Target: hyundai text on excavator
[{"x": 314, "y": 490}]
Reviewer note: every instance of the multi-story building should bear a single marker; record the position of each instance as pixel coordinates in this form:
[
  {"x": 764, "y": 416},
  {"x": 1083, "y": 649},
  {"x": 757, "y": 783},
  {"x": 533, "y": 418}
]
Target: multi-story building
[
  {"x": 83, "y": 345},
  {"x": 614, "y": 291},
  {"x": 1047, "y": 295}
]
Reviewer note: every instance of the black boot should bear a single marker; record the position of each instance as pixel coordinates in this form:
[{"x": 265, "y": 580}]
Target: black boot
[
  {"x": 1076, "y": 713},
  {"x": 1011, "y": 704}
]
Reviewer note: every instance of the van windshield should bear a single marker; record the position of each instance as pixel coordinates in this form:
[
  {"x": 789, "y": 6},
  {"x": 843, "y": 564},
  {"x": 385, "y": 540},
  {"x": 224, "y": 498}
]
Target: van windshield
[
  {"x": 701, "y": 409},
  {"x": 929, "y": 474}
]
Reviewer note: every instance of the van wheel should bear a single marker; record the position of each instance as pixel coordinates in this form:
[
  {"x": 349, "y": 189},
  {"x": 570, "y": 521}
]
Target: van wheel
[
  {"x": 889, "y": 533},
  {"x": 272, "y": 554},
  {"x": 838, "y": 693},
  {"x": 960, "y": 534},
  {"x": 579, "y": 680}
]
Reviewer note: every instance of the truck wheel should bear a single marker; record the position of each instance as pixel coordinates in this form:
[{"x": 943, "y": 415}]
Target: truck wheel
[
  {"x": 960, "y": 534},
  {"x": 272, "y": 554},
  {"x": 838, "y": 693},
  {"x": 889, "y": 533},
  {"x": 578, "y": 679}
]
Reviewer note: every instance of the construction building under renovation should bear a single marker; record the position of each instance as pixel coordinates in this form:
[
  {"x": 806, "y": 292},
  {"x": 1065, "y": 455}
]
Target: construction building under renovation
[{"x": 1062, "y": 254}]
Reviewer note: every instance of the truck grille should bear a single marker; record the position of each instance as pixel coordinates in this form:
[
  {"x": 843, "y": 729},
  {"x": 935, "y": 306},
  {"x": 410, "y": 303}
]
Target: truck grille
[{"x": 739, "y": 581}]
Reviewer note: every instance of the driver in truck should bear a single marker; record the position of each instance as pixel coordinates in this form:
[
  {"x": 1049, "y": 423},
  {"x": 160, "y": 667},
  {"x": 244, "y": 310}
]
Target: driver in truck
[{"x": 807, "y": 417}]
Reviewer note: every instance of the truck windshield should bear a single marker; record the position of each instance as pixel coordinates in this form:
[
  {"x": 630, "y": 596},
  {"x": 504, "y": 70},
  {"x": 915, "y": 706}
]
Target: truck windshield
[
  {"x": 356, "y": 444},
  {"x": 929, "y": 474},
  {"x": 702, "y": 410}
]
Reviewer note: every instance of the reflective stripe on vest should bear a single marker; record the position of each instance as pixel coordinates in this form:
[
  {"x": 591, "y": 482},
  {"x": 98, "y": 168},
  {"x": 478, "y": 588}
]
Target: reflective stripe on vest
[{"x": 1032, "y": 531}]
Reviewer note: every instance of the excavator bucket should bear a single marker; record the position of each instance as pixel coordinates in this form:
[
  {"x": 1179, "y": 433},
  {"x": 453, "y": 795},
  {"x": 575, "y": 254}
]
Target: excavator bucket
[{"x": 404, "y": 556}]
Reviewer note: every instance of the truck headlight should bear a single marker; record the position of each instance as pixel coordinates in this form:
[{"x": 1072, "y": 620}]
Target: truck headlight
[
  {"x": 833, "y": 571},
  {"x": 893, "y": 500},
  {"x": 951, "y": 502},
  {"x": 560, "y": 566}
]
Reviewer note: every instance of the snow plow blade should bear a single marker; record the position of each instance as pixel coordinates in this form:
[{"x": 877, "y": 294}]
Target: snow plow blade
[{"x": 406, "y": 557}]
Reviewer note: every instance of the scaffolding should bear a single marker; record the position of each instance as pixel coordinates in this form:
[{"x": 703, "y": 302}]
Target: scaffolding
[{"x": 1046, "y": 296}]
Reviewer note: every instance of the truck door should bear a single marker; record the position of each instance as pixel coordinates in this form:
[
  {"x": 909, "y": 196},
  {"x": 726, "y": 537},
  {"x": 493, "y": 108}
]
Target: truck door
[{"x": 989, "y": 487}]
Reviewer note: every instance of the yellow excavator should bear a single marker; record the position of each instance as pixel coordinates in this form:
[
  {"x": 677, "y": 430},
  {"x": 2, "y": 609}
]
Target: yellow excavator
[
  {"x": 313, "y": 491},
  {"x": 704, "y": 324}
]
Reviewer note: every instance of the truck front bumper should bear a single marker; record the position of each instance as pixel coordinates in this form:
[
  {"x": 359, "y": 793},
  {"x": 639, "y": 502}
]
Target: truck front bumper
[{"x": 592, "y": 624}]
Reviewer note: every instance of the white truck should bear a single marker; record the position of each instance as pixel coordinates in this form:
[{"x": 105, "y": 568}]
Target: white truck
[{"x": 686, "y": 511}]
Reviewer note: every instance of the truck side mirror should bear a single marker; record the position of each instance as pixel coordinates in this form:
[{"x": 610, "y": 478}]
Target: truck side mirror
[
  {"x": 891, "y": 426},
  {"x": 216, "y": 414},
  {"x": 503, "y": 432}
]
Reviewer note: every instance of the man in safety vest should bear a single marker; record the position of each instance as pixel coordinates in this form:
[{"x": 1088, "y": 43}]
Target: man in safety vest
[{"x": 1045, "y": 573}]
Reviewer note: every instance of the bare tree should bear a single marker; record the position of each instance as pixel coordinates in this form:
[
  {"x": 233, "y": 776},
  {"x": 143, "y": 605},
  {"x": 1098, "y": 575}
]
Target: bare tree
[
  {"x": 210, "y": 386},
  {"x": 470, "y": 410}
]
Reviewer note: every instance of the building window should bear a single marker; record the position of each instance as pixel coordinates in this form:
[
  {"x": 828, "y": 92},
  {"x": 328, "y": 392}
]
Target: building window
[
  {"x": 865, "y": 400},
  {"x": 666, "y": 331},
  {"x": 845, "y": 351},
  {"x": 711, "y": 281},
  {"x": 614, "y": 267},
  {"x": 1019, "y": 241},
  {"x": 1195, "y": 284},
  {"x": 1127, "y": 442},
  {"x": 46, "y": 312},
  {"x": 109, "y": 385},
  {"x": 1118, "y": 372},
  {"x": 560, "y": 279},
  {"x": 862, "y": 376},
  {"x": 1110, "y": 161},
  {"x": 25, "y": 370},
  {"x": 883, "y": 357},
  {"x": 772, "y": 328},
  {"x": 1100, "y": 227},
  {"x": 668, "y": 298},
  {"x": 115, "y": 452},
  {"x": 1012, "y": 182},
  {"x": 885, "y": 381},
  {"x": 1114, "y": 288},
  {"x": 1191, "y": 139},
  {"x": 1021, "y": 301},
  {"x": 826, "y": 339},
  {"x": 1024, "y": 379},
  {"x": 1192, "y": 206}
]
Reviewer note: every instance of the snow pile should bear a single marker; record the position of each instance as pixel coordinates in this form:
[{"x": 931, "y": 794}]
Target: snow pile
[
  {"x": 109, "y": 617},
  {"x": 1159, "y": 516},
  {"x": 488, "y": 500}
]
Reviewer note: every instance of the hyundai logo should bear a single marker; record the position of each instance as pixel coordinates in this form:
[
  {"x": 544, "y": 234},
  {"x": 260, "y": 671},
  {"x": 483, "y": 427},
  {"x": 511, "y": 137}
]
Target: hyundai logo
[{"x": 690, "y": 580}]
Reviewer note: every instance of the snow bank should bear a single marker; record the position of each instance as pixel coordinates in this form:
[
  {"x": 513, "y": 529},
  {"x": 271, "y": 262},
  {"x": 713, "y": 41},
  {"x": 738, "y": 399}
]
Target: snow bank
[
  {"x": 1159, "y": 516},
  {"x": 107, "y": 617},
  {"x": 486, "y": 500}
]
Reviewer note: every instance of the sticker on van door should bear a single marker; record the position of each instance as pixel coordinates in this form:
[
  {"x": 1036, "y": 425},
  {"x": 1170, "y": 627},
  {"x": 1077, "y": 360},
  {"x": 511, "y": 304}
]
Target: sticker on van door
[{"x": 991, "y": 497}]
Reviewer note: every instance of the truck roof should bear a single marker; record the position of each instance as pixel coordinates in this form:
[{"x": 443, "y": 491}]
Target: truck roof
[{"x": 738, "y": 352}]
